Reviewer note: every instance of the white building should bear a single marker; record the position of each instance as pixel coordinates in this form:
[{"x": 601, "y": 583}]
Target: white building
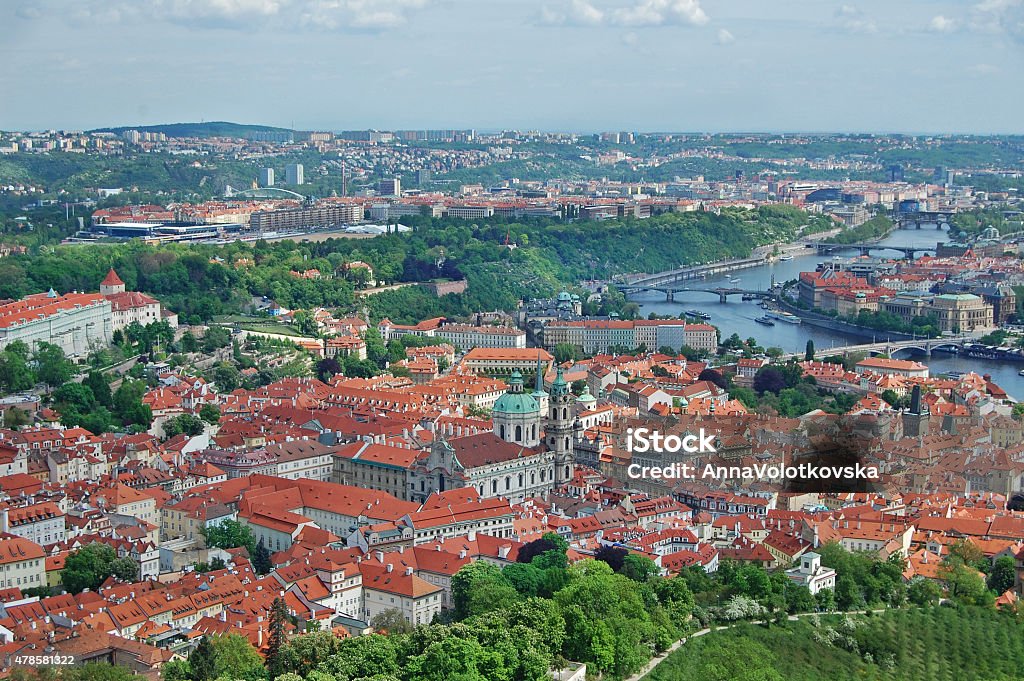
[
  {"x": 465, "y": 336},
  {"x": 812, "y": 574},
  {"x": 22, "y": 563},
  {"x": 40, "y": 523},
  {"x": 75, "y": 322},
  {"x": 129, "y": 307},
  {"x": 294, "y": 174},
  {"x": 388, "y": 588}
]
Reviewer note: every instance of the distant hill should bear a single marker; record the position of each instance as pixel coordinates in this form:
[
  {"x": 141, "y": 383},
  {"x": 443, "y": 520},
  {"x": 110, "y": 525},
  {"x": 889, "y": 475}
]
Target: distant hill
[{"x": 207, "y": 129}]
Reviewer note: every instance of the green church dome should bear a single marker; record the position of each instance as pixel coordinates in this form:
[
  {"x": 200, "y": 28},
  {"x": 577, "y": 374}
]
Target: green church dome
[{"x": 515, "y": 401}]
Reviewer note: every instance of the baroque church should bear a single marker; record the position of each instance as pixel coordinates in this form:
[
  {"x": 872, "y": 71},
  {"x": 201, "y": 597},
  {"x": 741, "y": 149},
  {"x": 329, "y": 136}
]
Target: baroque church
[{"x": 522, "y": 457}]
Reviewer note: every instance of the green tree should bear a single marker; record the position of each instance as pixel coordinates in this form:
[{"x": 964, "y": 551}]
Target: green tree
[
  {"x": 479, "y": 587},
  {"x": 964, "y": 584},
  {"x": 92, "y": 565},
  {"x": 302, "y": 654},
  {"x": 607, "y": 623},
  {"x": 639, "y": 568},
  {"x": 97, "y": 382},
  {"x": 261, "y": 562},
  {"x": 366, "y": 657},
  {"x": 227, "y": 377},
  {"x": 52, "y": 367},
  {"x": 188, "y": 424},
  {"x": 216, "y": 337},
  {"x": 15, "y": 418},
  {"x": 235, "y": 658},
  {"x": 176, "y": 670},
  {"x": 449, "y": 658},
  {"x": 1003, "y": 575},
  {"x": 923, "y": 592},
  {"x": 128, "y": 406},
  {"x": 76, "y": 398},
  {"x": 189, "y": 343},
  {"x": 391, "y": 621},
  {"x": 275, "y": 661},
  {"x": 209, "y": 413},
  {"x": 565, "y": 352},
  {"x": 229, "y": 534},
  {"x": 15, "y": 373},
  {"x": 809, "y": 351},
  {"x": 798, "y": 598}
]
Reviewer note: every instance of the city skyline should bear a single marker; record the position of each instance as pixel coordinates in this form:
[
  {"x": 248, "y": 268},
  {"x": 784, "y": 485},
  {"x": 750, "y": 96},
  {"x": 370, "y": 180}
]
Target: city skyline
[{"x": 573, "y": 65}]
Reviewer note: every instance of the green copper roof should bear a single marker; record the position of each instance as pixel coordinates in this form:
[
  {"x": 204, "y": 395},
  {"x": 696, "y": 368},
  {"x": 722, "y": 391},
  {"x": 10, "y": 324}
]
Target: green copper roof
[{"x": 515, "y": 403}]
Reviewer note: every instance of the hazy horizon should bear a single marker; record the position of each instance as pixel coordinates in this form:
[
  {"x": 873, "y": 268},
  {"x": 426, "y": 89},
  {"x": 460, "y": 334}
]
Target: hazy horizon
[{"x": 922, "y": 67}]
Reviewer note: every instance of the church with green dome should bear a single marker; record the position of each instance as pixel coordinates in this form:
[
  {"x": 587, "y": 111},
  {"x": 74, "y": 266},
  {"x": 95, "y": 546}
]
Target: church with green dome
[
  {"x": 516, "y": 415},
  {"x": 524, "y": 455}
]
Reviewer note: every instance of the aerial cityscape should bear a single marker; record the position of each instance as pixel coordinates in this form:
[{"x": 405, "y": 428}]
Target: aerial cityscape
[{"x": 626, "y": 376}]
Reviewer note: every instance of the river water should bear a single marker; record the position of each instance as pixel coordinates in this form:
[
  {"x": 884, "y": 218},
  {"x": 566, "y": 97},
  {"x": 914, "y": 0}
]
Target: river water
[{"x": 738, "y": 317}]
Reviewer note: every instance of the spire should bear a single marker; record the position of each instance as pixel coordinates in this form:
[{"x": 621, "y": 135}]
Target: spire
[{"x": 540, "y": 374}]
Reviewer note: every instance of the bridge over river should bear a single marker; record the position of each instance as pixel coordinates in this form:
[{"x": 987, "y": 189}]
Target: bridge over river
[
  {"x": 722, "y": 292},
  {"x": 924, "y": 346}
]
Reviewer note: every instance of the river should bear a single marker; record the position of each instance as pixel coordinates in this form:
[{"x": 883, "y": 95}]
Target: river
[{"x": 738, "y": 317}]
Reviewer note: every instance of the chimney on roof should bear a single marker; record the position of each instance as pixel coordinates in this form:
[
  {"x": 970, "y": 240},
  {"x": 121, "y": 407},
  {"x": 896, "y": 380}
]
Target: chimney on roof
[
  {"x": 378, "y": 556},
  {"x": 408, "y": 570},
  {"x": 389, "y": 567}
]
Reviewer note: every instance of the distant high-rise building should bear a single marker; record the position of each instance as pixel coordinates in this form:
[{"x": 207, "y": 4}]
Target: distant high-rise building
[
  {"x": 423, "y": 176},
  {"x": 895, "y": 173},
  {"x": 391, "y": 186},
  {"x": 266, "y": 177},
  {"x": 293, "y": 174}
]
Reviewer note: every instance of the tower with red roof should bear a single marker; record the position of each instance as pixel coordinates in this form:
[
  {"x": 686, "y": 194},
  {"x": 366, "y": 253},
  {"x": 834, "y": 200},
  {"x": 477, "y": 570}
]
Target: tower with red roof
[{"x": 111, "y": 284}]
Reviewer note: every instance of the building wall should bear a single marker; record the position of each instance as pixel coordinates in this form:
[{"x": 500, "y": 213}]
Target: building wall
[{"x": 75, "y": 331}]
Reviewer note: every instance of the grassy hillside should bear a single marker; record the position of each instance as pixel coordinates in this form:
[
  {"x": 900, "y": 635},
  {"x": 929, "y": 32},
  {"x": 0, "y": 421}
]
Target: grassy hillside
[
  {"x": 206, "y": 129},
  {"x": 937, "y": 644}
]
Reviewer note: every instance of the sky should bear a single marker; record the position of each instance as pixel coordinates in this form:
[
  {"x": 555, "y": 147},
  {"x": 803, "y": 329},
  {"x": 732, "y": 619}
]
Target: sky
[{"x": 917, "y": 66}]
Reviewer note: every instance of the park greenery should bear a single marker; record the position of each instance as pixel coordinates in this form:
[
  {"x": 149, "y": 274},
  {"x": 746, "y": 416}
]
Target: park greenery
[
  {"x": 203, "y": 281},
  {"x": 923, "y": 644},
  {"x": 615, "y": 611}
]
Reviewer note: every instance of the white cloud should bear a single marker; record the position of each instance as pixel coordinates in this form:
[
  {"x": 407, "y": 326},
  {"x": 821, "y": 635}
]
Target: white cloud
[
  {"x": 583, "y": 12},
  {"x": 635, "y": 13},
  {"x": 574, "y": 13},
  {"x": 1000, "y": 17},
  {"x": 852, "y": 19},
  {"x": 983, "y": 69},
  {"x": 725, "y": 37},
  {"x": 243, "y": 14},
  {"x": 660, "y": 12},
  {"x": 941, "y": 24}
]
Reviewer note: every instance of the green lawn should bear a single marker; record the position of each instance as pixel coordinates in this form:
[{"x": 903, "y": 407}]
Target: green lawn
[
  {"x": 938, "y": 644},
  {"x": 270, "y": 327}
]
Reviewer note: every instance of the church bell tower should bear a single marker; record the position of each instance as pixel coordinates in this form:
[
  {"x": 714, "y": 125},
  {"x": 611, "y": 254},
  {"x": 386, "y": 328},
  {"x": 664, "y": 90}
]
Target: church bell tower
[{"x": 559, "y": 430}]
